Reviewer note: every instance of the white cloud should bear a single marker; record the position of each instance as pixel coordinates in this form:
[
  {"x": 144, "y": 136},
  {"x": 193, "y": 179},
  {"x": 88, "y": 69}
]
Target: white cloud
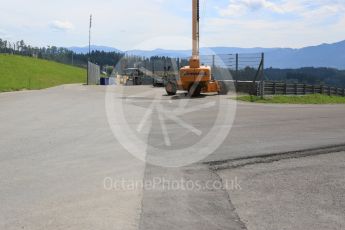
[
  {"x": 297, "y": 7},
  {"x": 239, "y": 7},
  {"x": 126, "y": 24},
  {"x": 61, "y": 25},
  {"x": 292, "y": 23},
  {"x": 4, "y": 34}
]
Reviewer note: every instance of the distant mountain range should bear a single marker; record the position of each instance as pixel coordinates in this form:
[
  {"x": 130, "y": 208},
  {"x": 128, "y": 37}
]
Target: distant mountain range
[
  {"x": 85, "y": 49},
  {"x": 325, "y": 55}
]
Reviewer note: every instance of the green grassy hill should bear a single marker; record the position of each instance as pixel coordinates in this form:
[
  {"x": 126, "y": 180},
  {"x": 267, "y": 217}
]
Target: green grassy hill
[{"x": 17, "y": 73}]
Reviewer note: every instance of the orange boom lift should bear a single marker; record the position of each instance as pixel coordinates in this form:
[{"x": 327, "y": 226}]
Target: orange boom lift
[{"x": 195, "y": 78}]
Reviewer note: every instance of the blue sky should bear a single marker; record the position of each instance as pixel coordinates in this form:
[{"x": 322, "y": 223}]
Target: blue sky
[{"x": 149, "y": 24}]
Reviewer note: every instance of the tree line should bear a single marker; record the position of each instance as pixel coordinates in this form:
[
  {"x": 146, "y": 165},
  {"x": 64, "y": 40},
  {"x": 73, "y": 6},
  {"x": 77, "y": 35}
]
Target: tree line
[
  {"x": 116, "y": 59},
  {"x": 310, "y": 75},
  {"x": 59, "y": 54}
]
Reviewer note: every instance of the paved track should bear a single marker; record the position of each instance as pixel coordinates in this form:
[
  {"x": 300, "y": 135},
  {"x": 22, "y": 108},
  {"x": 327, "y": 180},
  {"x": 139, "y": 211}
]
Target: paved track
[
  {"x": 264, "y": 129},
  {"x": 292, "y": 194},
  {"x": 57, "y": 148}
]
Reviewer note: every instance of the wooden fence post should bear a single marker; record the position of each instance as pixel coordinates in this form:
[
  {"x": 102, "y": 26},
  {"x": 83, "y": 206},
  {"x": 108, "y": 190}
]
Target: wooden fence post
[
  {"x": 321, "y": 89},
  {"x": 329, "y": 91},
  {"x": 286, "y": 88},
  {"x": 262, "y": 93},
  {"x": 274, "y": 88},
  {"x": 304, "y": 89},
  {"x": 257, "y": 89},
  {"x": 296, "y": 88}
]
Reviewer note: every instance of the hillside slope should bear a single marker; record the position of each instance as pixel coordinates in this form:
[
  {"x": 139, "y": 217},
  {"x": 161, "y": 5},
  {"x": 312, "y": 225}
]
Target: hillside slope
[
  {"x": 17, "y": 73},
  {"x": 325, "y": 55}
]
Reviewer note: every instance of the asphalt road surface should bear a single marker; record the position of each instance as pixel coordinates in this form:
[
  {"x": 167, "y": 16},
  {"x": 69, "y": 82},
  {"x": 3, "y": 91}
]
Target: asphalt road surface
[
  {"x": 64, "y": 165},
  {"x": 296, "y": 194}
]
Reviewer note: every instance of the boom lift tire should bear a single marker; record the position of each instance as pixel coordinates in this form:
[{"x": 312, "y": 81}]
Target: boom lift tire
[
  {"x": 171, "y": 88},
  {"x": 223, "y": 88},
  {"x": 194, "y": 90}
]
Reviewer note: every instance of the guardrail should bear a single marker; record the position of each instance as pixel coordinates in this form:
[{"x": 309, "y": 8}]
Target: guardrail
[{"x": 282, "y": 88}]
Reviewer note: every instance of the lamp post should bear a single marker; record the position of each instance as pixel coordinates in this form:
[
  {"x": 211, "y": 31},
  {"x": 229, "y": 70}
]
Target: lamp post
[
  {"x": 89, "y": 58},
  {"x": 90, "y": 36}
]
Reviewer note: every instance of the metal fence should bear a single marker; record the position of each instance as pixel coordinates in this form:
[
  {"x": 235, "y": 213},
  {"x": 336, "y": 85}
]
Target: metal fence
[
  {"x": 93, "y": 74},
  {"x": 245, "y": 69},
  {"x": 242, "y": 67},
  {"x": 283, "y": 88}
]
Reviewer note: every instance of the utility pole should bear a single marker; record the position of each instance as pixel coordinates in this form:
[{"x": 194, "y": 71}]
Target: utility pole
[
  {"x": 90, "y": 36},
  {"x": 89, "y": 58}
]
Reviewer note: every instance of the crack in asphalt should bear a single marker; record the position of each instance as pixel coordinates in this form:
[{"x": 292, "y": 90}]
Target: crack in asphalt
[{"x": 268, "y": 158}]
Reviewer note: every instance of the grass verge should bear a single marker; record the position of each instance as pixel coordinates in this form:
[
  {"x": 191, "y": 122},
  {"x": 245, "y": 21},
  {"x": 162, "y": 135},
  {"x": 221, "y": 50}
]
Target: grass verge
[
  {"x": 306, "y": 99},
  {"x": 19, "y": 73}
]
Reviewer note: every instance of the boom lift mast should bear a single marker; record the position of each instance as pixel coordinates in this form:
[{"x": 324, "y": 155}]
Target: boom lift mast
[
  {"x": 195, "y": 59},
  {"x": 195, "y": 78}
]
